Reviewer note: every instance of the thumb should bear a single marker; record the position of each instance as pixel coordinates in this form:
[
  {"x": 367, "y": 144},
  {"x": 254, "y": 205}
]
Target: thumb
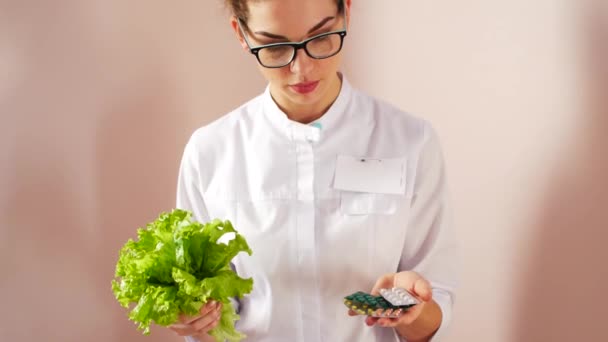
[
  {"x": 415, "y": 283},
  {"x": 422, "y": 288},
  {"x": 384, "y": 282}
]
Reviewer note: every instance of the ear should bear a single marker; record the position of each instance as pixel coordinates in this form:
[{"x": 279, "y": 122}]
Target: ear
[
  {"x": 239, "y": 36},
  {"x": 347, "y": 7}
]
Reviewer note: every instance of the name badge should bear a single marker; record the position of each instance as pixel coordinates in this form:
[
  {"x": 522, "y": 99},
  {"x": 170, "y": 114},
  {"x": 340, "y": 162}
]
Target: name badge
[{"x": 385, "y": 176}]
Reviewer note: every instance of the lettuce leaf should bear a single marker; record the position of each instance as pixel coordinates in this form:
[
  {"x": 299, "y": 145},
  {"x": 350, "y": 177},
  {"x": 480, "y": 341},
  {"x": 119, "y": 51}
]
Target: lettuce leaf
[{"x": 176, "y": 266}]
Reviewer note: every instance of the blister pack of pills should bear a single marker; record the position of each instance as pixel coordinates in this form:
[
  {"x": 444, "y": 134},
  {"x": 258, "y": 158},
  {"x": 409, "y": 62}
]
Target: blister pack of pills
[{"x": 391, "y": 303}]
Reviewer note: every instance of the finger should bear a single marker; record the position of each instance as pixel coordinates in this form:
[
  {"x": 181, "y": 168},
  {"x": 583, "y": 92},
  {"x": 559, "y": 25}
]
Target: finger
[
  {"x": 352, "y": 313},
  {"x": 203, "y": 323},
  {"x": 210, "y": 307},
  {"x": 422, "y": 288},
  {"x": 415, "y": 284},
  {"x": 387, "y": 322},
  {"x": 182, "y": 329},
  {"x": 205, "y": 309},
  {"x": 207, "y": 328},
  {"x": 186, "y": 319},
  {"x": 371, "y": 320},
  {"x": 384, "y": 282},
  {"x": 192, "y": 325}
]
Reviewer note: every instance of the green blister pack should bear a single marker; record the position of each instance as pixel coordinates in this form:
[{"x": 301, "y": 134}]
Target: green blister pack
[{"x": 391, "y": 303}]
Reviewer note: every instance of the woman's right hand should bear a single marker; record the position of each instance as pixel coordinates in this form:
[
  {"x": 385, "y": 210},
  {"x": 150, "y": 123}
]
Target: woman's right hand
[{"x": 199, "y": 326}]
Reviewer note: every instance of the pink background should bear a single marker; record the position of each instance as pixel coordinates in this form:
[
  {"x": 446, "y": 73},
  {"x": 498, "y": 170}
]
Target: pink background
[{"x": 98, "y": 98}]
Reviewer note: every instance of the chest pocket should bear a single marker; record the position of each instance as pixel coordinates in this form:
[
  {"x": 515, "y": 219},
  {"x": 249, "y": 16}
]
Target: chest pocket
[
  {"x": 371, "y": 186},
  {"x": 366, "y": 203}
]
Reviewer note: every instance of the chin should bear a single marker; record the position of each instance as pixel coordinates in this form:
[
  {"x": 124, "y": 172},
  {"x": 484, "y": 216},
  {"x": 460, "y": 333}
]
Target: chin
[{"x": 304, "y": 99}]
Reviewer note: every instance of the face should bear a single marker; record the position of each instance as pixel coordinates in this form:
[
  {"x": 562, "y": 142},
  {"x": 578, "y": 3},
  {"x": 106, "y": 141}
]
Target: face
[{"x": 305, "y": 82}]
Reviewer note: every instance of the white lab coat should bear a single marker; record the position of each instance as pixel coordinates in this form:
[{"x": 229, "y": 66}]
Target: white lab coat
[{"x": 315, "y": 242}]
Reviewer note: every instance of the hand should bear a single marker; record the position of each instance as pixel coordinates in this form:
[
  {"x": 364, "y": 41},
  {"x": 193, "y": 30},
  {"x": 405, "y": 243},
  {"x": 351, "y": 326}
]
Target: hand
[
  {"x": 199, "y": 326},
  {"x": 409, "y": 280}
]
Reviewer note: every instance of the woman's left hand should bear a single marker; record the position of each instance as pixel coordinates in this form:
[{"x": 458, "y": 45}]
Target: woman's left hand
[{"x": 409, "y": 280}]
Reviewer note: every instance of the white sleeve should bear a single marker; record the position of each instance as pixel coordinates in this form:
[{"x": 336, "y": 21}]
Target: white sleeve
[
  {"x": 189, "y": 191},
  {"x": 190, "y": 197},
  {"x": 430, "y": 247}
]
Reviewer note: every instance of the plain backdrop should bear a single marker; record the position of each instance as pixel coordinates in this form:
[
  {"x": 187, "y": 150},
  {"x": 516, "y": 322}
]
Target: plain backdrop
[{"x": 98, "y": 98}]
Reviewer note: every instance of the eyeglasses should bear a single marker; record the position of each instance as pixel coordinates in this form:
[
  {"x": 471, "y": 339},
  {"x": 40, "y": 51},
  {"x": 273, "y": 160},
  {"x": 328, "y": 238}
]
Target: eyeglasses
[{"x": 278, "y": 55}]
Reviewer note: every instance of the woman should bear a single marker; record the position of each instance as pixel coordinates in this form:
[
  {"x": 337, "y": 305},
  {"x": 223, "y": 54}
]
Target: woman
[{"x": 335, "y": 191}]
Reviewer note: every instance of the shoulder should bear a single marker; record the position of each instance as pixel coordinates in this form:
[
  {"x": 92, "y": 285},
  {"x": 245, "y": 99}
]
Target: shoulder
[
  {"x": 214, "y": 135},
  {"x": 392, "y": 121}
]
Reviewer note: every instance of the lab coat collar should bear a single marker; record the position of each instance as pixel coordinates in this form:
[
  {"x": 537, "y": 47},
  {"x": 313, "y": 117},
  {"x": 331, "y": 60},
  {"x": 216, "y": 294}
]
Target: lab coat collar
[{"x": 315, "y": 130}]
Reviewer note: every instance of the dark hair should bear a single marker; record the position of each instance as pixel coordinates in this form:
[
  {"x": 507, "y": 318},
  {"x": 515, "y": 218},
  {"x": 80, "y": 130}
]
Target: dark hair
[{"x": 239, "y": 8}]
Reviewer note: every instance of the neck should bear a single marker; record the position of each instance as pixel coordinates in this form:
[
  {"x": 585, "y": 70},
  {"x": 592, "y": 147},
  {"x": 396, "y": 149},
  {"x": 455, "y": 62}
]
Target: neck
[{"x": 307, "y": 113}]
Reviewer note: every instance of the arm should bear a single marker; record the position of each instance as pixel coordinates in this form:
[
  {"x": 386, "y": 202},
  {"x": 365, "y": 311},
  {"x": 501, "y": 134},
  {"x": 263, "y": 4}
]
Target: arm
[
  {"x": 430, "y": 249},
  {"x": 419, "y": 323},
  {"x": 428, "y": 253},
  {"x": 189, "y": 197}
]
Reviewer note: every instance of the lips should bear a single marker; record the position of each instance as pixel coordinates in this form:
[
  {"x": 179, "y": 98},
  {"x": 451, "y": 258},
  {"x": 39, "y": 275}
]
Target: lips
[{"x": 304, "y": 87}]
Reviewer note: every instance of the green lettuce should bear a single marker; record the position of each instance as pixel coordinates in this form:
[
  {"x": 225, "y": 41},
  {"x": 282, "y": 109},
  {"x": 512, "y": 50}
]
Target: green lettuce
[{"x": 176, "y": 266}]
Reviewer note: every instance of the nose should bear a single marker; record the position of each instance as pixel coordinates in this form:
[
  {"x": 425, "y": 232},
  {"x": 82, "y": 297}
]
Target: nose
[{"x": 302, "y": 63}]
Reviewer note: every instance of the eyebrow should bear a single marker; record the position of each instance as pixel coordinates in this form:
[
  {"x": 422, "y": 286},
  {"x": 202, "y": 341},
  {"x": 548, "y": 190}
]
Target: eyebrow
[{"x": 276, "y": 36}]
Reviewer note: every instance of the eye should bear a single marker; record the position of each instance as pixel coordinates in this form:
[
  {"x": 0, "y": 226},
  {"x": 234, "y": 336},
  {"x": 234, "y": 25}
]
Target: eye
[{"x": 277, "y": 50}]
